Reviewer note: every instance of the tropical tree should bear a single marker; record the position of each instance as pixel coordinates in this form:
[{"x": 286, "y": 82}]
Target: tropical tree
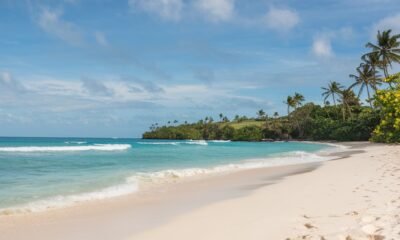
[
  {"x": 261, "y": 114},
  {"x": 333, "y": 90},
  {"x": 291, "y": 103},
  {"x": 221, "y": 116},
  {"x": 348, "y": 99},
  {"x": 298, "y": 99},
  {"x": 373, "y": 60},
  {"x": 387, "y": 48},
  {"x": 365, "y": 78}
]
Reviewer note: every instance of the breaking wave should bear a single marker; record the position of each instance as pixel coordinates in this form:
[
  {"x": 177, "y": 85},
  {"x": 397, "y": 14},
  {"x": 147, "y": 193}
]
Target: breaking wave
[
  {"x": 75, "y": 142},
  {"x": 290, "y": 158},
  {"x": 191, "y": 142},
  {"x": 96, "y": 147},
  {"x": 130, "y": 186}
]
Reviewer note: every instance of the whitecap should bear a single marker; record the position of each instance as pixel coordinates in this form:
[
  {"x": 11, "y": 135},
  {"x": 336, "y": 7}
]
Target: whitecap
[
  {"x": 75, "y": 142},
  {"x": 96, "y": 147}
]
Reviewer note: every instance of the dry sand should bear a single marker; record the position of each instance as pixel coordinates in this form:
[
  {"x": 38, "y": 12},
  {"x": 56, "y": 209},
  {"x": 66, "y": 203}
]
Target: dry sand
[{"x": 355, "y": 197}]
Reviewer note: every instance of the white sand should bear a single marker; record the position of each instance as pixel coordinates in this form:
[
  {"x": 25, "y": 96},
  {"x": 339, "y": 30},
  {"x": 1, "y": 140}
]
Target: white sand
[{"x": 352, "y": 198}]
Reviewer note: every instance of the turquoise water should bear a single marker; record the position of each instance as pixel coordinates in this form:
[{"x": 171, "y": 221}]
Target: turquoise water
[{"x": 41, "y": 173}]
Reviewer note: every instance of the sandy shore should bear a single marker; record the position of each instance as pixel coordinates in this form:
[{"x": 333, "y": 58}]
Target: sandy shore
[{"x": 355, "y": 197}]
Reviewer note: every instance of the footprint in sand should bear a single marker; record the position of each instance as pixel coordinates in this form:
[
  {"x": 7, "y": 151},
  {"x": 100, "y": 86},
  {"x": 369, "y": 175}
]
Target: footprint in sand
[
  {"x": 352, "y": 213},
  {"x": 309, "y": 226}
]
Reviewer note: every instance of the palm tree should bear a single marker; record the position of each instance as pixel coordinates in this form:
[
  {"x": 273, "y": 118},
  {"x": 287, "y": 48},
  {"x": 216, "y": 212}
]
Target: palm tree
[
  {"x": 298, "y": 99},
  {"x": 221, "y": 116},
  {"x": 333, "y": 89},
  {"x": 348, "y": 99},
  {"x": 365, "y": 78},
  {"x": 291, "y": 103},
  {"x": 373, "y": 60},
  {"x": 387, "y": 49},
  {"x": 260, "y": 114},
  {"x": 276, "y": 114}
]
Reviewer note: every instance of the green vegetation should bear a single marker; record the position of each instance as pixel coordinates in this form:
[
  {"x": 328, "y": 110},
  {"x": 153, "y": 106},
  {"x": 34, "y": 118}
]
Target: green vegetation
[
  {"x": 388, "y": 100},
  {"x": 345, "y": 120}
]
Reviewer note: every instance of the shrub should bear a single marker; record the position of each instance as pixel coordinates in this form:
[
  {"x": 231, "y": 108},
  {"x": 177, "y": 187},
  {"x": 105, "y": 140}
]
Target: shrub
[{"x": 388, "y": 100}]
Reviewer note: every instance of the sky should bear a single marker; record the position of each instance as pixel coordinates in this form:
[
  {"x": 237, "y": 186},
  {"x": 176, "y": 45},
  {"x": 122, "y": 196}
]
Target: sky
[{"x": 111, "y": 68}]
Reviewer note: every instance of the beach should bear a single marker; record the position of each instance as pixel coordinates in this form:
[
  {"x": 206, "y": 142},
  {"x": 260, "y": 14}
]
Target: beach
[{"x": 354, "y": 196}]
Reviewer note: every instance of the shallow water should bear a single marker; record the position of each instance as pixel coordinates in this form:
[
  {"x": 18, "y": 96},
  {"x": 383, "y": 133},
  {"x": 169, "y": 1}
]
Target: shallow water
[{"x": 41, "y": 173}]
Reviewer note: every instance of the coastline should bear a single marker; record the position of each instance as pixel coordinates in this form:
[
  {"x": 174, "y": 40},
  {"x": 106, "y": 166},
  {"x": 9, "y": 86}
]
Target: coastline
[
  {"x": 162, "y": 213},
  {"x": 138, "y": 181}
]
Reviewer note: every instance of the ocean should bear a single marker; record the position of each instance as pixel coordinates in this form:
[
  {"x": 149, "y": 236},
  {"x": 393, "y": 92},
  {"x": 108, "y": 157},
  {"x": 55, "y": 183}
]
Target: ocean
[{"x": 37, "y": 174}]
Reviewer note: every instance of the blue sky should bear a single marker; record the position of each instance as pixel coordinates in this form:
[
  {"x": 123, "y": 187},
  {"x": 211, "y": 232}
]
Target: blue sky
[{"x": 112, "y": 68}]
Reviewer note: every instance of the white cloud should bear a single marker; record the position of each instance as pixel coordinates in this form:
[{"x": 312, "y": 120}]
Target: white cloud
[
  {"x": 322, "y": 47},
  {"x": 216, "y": 10},
  {"x": 63, "y": 95},
  {"x": 392, "y": 22},
  {"x": 281, "y": 19},
  {"x": 167, "y": 9},
  {"x": 51, "y": 22},
  {"x": 101, "y": 38}
]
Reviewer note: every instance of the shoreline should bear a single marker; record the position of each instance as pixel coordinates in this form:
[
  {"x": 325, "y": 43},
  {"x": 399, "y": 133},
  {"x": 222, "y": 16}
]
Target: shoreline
[
  {"x": 132, "y": 215},
  {"x": 146, "y": 182}
]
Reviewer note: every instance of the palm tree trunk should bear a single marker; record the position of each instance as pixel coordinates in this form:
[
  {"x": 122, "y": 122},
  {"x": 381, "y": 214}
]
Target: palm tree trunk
[
  {"x": 375, "y": 79},
  {"x": 334, "y": 100},
  {"x": 386, "y": 72},
  {"x": 343, "y": 112},
  {"x": 369, "y": 97},
  {"x": 349, "y": 109}
]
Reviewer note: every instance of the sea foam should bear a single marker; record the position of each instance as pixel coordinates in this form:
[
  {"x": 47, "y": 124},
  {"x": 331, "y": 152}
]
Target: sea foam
[
  {"x": 96, "y": 147},
  {"x": 291, "y": 158},
  {"x": 130, "y": 186},
  {"x": 75, "y": 142},
  {"x": 176, "y": 143}
]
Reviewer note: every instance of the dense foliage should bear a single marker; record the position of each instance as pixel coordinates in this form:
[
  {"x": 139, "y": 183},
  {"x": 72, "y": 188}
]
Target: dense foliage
[
  {"x": 310, "y": 122},
  {"x": 388, "y": 100}
]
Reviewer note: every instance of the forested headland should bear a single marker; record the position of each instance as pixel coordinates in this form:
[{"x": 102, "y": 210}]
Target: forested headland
[{"x": 342, "y": 117}]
